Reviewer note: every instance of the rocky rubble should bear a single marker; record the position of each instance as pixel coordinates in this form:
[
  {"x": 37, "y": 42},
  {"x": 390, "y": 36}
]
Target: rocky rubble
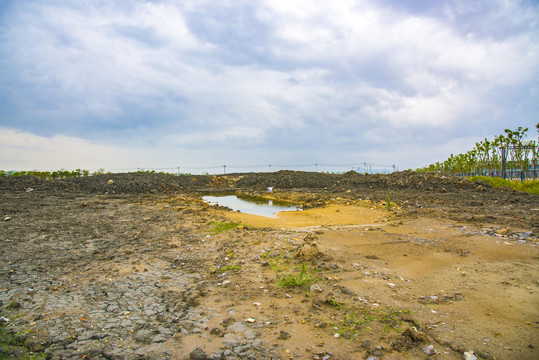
[{"x": 129, "y": 269}]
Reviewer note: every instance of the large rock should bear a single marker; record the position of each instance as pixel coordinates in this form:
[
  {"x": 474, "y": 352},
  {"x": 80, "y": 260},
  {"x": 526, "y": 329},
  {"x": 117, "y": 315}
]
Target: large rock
[{"x": 309, "y": 249}]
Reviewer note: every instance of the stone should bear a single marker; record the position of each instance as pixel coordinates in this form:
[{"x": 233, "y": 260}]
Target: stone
[
  {"x": 144, "y": 336},
  {"x": 309, "y": 248},
  {"x": 228, "y": 321},
  {"x": 250, "y": 334},
  {"x": 283, "y": 335},
  {"x": 198, "y": 354},
  {"x": 237, "y": 327},
  {"x": 217, "y": 332},
  {"x": 429, "y": 350},
  {"x": 367, "y": 344},
  {"x": 160, "y": 338},
  {"x": 349, "y": 292},
  {"x": 164, "y": 331}
]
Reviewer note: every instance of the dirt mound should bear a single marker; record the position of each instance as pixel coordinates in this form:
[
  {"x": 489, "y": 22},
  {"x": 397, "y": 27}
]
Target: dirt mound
[
  {"x": 139, "y": 183},
  {"x": 287, "y": 179},
  {"x": 442, "y": 195},
  {"x": 130, "y": 183}
]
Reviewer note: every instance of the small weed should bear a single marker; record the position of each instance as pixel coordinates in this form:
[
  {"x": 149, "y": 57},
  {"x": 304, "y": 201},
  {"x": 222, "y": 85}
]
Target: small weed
[
  {"x": 279, "y": 264},
  {"x": 304, "y": 279},
  {"x": 222, "y": 226},
  {"x": 275, "y": 265},
  {"x": 335, "y": 303},
  {"x": 11, "y": 346},
  {"x": 388, "y": 200},
  {"x": 278, "y": 260},
  {"x": 357, "y": 318},
  {"x": 222, "y": 269}
]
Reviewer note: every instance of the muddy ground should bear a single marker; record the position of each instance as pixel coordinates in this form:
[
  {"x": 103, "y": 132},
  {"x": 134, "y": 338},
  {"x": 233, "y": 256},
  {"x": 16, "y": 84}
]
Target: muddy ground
[{"x": 133, "y": 266}]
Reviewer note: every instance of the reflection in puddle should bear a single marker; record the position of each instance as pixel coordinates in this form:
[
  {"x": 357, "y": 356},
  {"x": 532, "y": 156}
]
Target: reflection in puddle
[{"x": 255, "y": 206}]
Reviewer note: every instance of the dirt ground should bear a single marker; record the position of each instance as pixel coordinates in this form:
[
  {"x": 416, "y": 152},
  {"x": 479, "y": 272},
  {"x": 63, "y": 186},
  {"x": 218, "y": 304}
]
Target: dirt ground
[{"x": 134, "y": 266}]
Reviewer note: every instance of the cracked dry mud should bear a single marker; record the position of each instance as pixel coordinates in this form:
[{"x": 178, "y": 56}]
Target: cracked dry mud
[{"x": 131, "y": 269}]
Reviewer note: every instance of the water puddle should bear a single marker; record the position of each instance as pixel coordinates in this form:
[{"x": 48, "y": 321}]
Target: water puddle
[{"x": 251, "y": 205}]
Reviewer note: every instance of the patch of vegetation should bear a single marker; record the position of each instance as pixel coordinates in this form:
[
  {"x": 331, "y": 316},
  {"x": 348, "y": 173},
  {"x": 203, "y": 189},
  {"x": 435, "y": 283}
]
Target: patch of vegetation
[
  {"x": 12, "y": 346},
  {"x": 224, "y": 268},
  {"x": 531, "y": 187},
  {"x": 279, "y": 260},
  {"x": 230, "y": 253},
  {"x": 58, "y": 174},
  {"x": 388, "y": 200},
  {"x": 303, "y": 279},
  {"x": 488, "y": 156},
  {"x": 356, "y": 319},
  {"x": 222, "y": 226}
]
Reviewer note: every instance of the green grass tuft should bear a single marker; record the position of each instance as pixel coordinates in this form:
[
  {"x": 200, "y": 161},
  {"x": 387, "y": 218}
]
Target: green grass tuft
[
  {"x": 357, "y": 318},
  {"x": 222, "y": 226},
  {"x": 303, "y": 279},
  {"x": 12, "y": 346},
  {"x": 531, "y": 187}
]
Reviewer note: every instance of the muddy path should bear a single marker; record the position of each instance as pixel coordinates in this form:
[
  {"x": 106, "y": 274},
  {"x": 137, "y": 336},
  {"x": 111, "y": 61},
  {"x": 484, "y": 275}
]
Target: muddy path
[{"x": 132, "y": 266}]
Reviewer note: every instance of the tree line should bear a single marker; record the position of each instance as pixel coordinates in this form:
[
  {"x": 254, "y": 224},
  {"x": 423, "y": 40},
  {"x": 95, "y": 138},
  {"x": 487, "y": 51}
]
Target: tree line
[{"x": 507, "y": 153}]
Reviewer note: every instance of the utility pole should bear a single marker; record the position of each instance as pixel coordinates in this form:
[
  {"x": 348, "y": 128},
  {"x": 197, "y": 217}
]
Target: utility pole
[{"x": 224, "y": 169}]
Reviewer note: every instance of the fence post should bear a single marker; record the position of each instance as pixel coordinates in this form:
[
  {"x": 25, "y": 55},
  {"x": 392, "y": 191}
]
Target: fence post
[{"x": 504, "y": 175}]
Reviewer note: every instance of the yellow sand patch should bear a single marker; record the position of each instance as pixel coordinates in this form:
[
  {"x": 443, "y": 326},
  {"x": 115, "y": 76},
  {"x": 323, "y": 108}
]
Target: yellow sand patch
[{"x": 329, "y": 215}]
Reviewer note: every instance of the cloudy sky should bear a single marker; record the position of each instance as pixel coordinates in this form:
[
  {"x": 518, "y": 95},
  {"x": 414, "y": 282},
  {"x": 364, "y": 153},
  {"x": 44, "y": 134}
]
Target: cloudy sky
[{"x": 121, "y": 84}]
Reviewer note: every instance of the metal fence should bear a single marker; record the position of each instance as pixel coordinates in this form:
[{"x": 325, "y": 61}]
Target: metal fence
[
  {"x": 364, "y": 167},
  {"x": 528, "y": 175}
]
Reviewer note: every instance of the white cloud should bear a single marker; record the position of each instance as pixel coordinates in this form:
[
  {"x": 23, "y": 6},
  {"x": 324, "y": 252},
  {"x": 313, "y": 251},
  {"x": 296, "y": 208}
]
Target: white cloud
[
  {"x": 294, "y": 75},
  {"x": 25, "y": 151}
]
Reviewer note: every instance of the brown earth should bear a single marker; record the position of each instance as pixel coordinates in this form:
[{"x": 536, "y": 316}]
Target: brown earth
[{"x": 128, "y": 266}]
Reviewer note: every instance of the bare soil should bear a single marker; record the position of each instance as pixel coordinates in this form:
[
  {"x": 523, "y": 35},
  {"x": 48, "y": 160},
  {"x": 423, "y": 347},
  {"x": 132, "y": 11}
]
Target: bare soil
[{"x": 128, "y": 266}]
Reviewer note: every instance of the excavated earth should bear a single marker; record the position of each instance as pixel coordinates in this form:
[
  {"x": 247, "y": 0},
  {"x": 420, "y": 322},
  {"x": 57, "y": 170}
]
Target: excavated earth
[{"x": 400, "y": 266}]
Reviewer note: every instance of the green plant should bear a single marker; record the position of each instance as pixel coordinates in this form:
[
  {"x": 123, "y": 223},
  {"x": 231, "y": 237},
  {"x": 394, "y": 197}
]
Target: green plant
[
  {"x": 531, "y": 187},
  {"x": 221, "y": 226},
  {"x": 222, "y": 269},
  {"x": 230, "y": 253},
  {"x": 356, "y": 318},
  {"x": 388, "y": 200},
  {"x": 303, "y": 279},
  {"x": 278, "y": 261},
  {"x": 12, "y": 345}
]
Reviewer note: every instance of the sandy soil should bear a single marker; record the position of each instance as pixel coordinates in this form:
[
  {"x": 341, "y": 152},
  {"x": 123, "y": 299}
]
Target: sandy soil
[{"x": 118, "y": 271}]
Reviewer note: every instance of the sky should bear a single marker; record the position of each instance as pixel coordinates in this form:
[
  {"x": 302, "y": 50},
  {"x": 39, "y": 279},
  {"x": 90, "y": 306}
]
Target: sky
[{"x": 162, "y": 84}]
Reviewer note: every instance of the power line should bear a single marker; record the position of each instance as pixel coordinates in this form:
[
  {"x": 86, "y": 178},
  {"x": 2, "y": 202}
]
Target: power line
[{"x": 317, "y": 167}]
